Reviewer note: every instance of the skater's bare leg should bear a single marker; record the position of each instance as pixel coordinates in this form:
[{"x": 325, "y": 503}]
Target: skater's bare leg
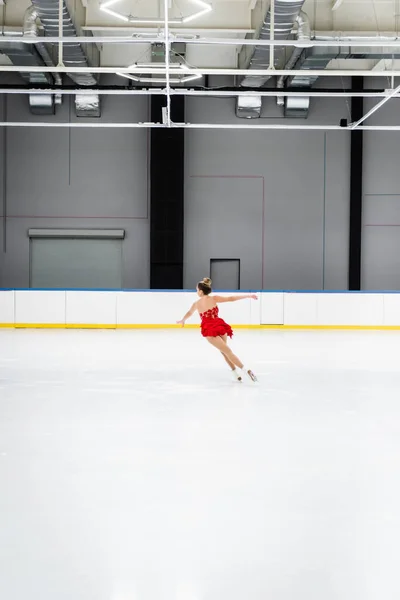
[
  {"x": 232, "y": 366},
  {"x": 223, "y": 347}
]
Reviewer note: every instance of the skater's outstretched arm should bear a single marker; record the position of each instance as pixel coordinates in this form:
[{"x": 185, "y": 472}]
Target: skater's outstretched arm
[
  {"x": 219, "y": 299},
  {"x": 188, "y": 315}
]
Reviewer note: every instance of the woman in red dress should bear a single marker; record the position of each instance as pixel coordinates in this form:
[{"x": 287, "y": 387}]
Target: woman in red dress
[{"x": 213, "y": 328}]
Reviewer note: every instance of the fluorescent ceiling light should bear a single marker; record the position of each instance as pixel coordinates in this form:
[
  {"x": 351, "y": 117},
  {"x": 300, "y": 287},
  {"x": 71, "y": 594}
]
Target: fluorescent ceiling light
[
  {"x": 176, "y": 80},
  {"x": 337, "y": 4},
  {"x": 144, "y": 21},
  {"x": 204, "y": 8},
  {"x": 105, "y": 8}
]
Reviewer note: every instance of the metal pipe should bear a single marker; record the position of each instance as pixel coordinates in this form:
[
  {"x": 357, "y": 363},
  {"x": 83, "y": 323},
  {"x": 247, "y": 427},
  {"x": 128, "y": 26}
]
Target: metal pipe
[
  {"x": 375, "y": 108},
  {"x": 60, "y": 32},
  {"x": 181, "y": 30},
  {"x": 272, "y": 37},
  {"x": 194, "y": 92},
  {"x": 356, "y": 42},
  {"x": 197, "y": 71},
  {"x": 244, "y": 126}
]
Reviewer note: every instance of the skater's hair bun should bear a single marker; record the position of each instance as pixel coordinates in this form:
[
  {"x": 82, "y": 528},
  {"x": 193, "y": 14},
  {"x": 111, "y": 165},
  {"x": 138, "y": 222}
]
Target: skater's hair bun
[{"x": 205, "y": 286}]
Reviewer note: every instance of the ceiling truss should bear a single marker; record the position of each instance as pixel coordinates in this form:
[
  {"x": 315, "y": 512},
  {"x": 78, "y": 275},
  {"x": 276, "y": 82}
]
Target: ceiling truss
[{"x": 173, "y": 74}]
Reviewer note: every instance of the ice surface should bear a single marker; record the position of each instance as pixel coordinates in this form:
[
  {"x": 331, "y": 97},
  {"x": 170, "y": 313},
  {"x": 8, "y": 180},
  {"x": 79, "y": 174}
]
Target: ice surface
[{"x": 132, "y": 466}]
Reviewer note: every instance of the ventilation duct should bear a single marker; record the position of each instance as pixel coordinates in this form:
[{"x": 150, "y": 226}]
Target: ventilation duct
[
  {"x": 87, "y": 105},
  {"x": 43, "y": 104},
  {"x": 317, "y": 58},
  {"x": 30, "y": 29},
  {"x": 300, "y": 106},
  {"x": 303, "y": 35},
  {"x": 248, "y": 107},
  {"x": 73, "y": 54},
  {"x": 23, "y": 55},
  {"x": 286, "y": 12}
]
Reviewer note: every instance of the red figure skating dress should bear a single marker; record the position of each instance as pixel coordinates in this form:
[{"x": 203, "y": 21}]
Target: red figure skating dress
[{"x": 212, "y": 325}]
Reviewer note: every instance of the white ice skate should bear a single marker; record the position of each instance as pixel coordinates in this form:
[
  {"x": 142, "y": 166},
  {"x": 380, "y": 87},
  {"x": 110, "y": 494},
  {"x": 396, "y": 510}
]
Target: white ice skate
[
  {"x": 237, "y": 375},
  {"x": 250, "y": 374}
]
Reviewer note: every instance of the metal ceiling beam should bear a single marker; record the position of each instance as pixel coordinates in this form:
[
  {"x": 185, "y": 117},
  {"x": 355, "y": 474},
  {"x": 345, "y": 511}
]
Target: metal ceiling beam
[
  {"x": 145, "y": 125},
  {"x": 375, "y": 108},
  {"x": 179, "y": 30},
  {"x": 199, "y": 71},
  {"x": 375, "y": 43},
  {"x": 272, "y": 93}
]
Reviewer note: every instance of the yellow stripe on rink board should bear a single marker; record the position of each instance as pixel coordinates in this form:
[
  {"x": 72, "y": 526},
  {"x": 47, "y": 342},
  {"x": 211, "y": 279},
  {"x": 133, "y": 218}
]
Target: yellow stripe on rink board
[
  {"x": 61, "y": 326},
  {"x": 170, "y": 326}
]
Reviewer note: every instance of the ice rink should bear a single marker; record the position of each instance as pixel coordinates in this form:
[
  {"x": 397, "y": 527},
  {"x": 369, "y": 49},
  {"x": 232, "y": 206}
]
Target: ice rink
[{"x": 133, "y": 467}]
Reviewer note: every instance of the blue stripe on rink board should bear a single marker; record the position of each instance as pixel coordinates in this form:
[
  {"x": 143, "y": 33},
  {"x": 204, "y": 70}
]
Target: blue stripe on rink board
[{"x": 194, "y": 291}]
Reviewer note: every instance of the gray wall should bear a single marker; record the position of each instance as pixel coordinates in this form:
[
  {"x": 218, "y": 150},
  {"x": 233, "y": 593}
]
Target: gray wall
[
  {"x": 381, "y": 202},
  {"x": 278, "y": 200},
  {"x": 69, "y": 178}
]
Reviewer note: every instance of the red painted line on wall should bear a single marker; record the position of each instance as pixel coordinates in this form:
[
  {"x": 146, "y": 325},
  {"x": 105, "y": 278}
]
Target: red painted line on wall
[
  {"x": 263, "y": 209},
  {"x": 227, "y": 176},
  {"x": 73, "y": 217}
]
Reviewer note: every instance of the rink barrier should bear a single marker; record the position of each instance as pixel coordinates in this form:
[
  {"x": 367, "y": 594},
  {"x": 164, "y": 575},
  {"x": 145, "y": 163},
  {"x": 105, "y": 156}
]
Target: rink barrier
[{"x": 159, "y": 309}]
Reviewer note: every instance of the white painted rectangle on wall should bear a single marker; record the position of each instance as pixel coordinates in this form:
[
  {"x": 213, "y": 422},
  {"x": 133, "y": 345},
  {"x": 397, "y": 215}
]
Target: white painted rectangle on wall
[
  {"x": 350, "y": 309},
  {"x": 271, "y": 305},
  {"x": 91, "y": 308},
  {"x": 7, "y": 307},
  {"x": 40, "y": 307}
]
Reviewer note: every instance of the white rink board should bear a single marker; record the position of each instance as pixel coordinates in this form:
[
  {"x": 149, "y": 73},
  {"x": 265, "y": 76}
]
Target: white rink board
[
  {"x": 350, "y": 309},
  {"x": 91, "y": 308},
  {"x": 271, "y": 305},
  {"x": 141, "y": 308},
  {"x": 300, "y": 309},
  {"x": 391, "y": 309},
  {"x": 40, "y": 307},
  {"x": 153, "y": 308},
  {"x": 7, "y": 300}
]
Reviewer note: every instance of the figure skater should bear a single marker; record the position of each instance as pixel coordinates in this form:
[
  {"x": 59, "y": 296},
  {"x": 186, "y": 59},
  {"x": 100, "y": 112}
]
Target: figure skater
[{"x": 213, "y": 328}]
